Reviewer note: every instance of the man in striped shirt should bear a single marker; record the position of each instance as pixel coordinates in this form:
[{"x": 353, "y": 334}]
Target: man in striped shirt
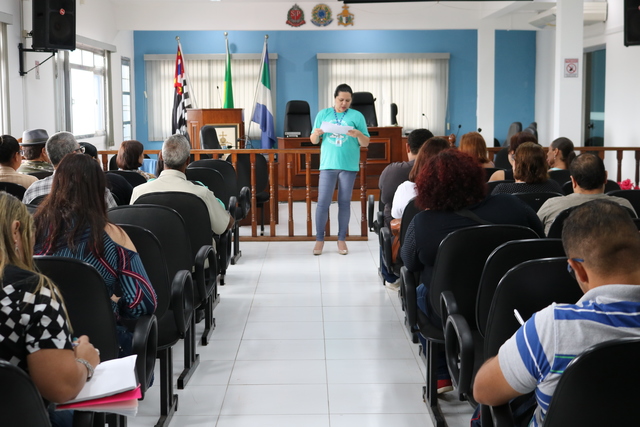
[{"x": 602, "y": 244}]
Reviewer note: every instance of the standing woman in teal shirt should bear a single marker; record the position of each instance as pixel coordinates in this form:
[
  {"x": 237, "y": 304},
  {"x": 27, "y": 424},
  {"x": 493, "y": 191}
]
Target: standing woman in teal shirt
[{"x": 339, "y": 163}]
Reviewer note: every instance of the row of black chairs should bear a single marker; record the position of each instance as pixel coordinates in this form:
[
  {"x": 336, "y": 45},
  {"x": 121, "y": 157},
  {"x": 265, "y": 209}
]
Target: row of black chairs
[
  {"x": 466, "y": 299},
  {"x": 173, "y": 235}
]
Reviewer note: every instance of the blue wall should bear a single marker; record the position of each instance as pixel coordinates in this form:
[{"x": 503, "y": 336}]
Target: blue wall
[
  {"x": 515, "y": 81},
  {"x": 298, "y": 68}
]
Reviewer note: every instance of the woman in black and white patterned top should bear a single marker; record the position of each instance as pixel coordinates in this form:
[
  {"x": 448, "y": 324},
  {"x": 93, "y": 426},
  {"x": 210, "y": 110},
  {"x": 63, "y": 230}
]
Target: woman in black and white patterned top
[{"x": 34, "y": 328}]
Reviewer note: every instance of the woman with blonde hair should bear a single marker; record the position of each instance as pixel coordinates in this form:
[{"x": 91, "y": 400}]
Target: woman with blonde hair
[
  {"x": 36, "y": 335},
  {"x": 473, "y": 144}
]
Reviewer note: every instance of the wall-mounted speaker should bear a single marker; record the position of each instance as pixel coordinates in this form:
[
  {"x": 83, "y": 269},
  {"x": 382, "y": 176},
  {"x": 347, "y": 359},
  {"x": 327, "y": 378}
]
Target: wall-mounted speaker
[
  {"x": 54, "y": 24},
  {"x": 631, "y": 22}
]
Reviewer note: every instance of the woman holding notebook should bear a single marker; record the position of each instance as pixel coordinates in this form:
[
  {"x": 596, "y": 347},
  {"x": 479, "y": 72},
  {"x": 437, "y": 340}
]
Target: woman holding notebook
[
  {"x": 35, "y": 327},
  {"x": 339, "y": 162}
]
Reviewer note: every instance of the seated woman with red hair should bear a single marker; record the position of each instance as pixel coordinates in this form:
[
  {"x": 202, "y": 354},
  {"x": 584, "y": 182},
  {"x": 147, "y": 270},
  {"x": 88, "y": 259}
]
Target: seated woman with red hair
[{"x": 450, "y": 184}]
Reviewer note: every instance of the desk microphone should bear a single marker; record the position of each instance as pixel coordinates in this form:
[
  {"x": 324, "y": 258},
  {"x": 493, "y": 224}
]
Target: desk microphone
[
  {"x": 479, "y": 129},
  {"x": 425, "y": 116},
  {"x": 219, "y": 97},
  {"x": 458, "y": 131}
]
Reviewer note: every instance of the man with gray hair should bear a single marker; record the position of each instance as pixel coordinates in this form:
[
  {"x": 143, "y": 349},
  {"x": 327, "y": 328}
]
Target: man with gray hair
[
  {"x": 175, "y": 155},
  {"x": 58, "y": 145}
]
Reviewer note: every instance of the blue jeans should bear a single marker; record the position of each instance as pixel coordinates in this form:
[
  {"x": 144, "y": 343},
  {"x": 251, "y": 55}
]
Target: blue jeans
[{"x": 326, "y": 185}]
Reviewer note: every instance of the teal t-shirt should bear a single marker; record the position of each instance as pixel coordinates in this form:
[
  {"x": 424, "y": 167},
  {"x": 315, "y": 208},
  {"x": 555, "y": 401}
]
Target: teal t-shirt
[{"x": 340, "y": 151}]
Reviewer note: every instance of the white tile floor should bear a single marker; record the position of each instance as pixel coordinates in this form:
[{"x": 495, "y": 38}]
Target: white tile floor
[{"x": 305, "y": 341}]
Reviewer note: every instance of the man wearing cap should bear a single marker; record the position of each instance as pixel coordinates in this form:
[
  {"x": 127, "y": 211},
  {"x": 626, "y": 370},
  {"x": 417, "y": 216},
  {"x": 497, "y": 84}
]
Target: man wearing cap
[
  {"x": 10, "y": 161},
  {"x": 59, "y": 145},
  {"x": 33, "y": 142}
]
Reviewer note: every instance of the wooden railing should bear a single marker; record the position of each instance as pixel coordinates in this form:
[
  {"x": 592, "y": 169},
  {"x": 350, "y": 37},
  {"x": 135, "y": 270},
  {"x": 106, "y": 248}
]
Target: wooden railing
[
  {"x": 602, "y": 152},
  {"x": 287, "y": 156}
]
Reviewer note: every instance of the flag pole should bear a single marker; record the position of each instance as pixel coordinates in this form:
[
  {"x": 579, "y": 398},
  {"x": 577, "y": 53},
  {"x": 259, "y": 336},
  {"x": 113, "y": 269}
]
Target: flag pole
[
  {"x": 255, "y": 94},
  {"x": 184, "y": 67}
]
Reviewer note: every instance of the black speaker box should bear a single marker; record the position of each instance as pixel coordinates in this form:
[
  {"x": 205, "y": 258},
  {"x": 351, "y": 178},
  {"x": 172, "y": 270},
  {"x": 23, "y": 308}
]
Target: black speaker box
[
  {"x": 631, "y": 22},
  {"x": 54, "y": 24}
]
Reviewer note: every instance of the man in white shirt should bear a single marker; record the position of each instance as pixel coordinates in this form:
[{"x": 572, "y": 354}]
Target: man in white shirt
[{"x": 175, "y": 155}]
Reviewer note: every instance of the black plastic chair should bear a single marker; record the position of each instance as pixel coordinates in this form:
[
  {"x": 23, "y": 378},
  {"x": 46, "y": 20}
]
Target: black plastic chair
[
  {"x": 529, "y": 287},
  {"x": 536, "y": 200},
  {"x": 41, "y": 174},
  {"x": 209, "y": 138},
  {"x": 555, "y": 231},
  {"x": 36, "y": 202},
  {"x": 454, "y": 285},
  {"x": 375, "y": 219},
  {"x": 168, "y": 227},
  {"x": 259, "y": 193},
  {"x": 214, "y": 181},
  {"x": 514, "y": 128},
  {"x": 491, "y": 185},
  {"x": 21, "y": 404},
  {"x": 195, "y": 214},
  {"x": 91, "y": 314},
  {"x": 633, "y": 196},
  {"x": 580, "y": 398},
  {"x": 297, "y": 118},
  {"x": 365, "y": 103},
  {"x": 561, "y": 176},
  {"x": 132, "y": 177},
  {"x": 501, "y": 159},
  {"x": 394, "y": 114},
  {"x": 490, "y": 171},
  {"x": 610, "y": 186},
  {"x": 175, "y": 314},
  {"x": 14, "y": 189},
  {"x": 242, "y": 195},
  {"x": 464, "y": 341},
  {"x": 386, "y": 241}
]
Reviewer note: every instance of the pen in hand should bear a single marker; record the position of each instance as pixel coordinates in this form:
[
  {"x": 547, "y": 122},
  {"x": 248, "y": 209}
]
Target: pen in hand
[{"x": 518, "y": 317}]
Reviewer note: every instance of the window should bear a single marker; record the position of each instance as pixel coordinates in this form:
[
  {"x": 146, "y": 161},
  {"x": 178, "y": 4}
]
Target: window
[
  {"x": 4, "y": 82},
  {"x": 416, "y": 83},
  {"x": 86, "y": 86},
  {"x": 205, "y": 77},
  {"x": 126, "y": 99}
]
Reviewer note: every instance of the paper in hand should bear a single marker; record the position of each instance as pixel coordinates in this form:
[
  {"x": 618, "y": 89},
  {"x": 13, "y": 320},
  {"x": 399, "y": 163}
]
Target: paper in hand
[{"x": 333, "y": 128}]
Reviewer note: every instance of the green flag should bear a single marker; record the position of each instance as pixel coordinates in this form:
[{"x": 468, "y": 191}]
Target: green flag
[{"x": 228, "y": 88}]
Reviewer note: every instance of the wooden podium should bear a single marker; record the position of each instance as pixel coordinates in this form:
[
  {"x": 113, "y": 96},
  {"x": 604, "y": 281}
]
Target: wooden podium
[{"x": 230, "y": 119}]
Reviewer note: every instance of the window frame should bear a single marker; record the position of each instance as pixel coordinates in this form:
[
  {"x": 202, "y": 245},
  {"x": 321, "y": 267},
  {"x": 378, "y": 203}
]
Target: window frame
[
  {"x": 124, "y": 61},
  {"x": 63, "y": 92}
]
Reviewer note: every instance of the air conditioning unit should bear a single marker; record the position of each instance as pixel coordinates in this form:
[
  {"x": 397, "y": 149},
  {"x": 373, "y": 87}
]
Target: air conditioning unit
[{"x": 593, "y": 12}]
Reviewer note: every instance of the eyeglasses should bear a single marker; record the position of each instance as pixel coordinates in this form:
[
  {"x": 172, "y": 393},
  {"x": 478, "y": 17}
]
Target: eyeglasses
[
  {"x": 79, "y": 150},
  {"x": 21, "y": 152},
  {"x": 570, "y": 270}
]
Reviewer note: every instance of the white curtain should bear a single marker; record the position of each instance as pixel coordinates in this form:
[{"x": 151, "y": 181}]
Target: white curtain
[
  {"x": 205, "y": 78},
  {"x": 418, "y": 84}
]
